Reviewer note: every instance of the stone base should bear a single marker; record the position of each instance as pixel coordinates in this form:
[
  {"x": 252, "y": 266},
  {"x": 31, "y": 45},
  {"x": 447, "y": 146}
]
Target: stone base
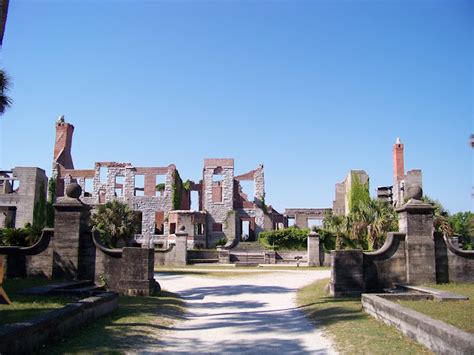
[{"x": 139, "y": 288}]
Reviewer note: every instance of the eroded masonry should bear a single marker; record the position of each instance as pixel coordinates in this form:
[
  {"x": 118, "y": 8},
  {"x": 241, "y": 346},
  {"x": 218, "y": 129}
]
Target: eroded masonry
[{"x": 162, "y": 200}]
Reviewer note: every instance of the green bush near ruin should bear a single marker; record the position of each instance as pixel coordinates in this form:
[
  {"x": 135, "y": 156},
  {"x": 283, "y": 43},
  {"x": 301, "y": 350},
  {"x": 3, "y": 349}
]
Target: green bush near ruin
[
  {"x": 115, "y": 222},
  {"x": 20, "y": 237},
  {"x": 290, "y": 238}
]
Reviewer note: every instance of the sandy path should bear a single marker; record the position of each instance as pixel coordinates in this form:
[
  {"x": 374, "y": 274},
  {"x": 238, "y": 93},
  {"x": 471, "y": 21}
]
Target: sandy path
[{"x": 253, "y": 314}]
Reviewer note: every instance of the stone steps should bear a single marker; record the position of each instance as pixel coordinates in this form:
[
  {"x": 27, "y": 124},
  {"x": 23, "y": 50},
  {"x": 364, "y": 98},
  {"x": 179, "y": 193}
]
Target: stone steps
[{"x": 249, "y": 247}]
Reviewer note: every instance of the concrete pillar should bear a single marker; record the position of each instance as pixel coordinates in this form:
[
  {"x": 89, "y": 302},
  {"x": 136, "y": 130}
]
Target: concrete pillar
[
  {"x": 181, "y": 247},
  {"x": 74, "y": 252},
  {"x": 313, "y": 249},
  {"x": 415, "y": 219},
  {"x": 301, "y": 221}
]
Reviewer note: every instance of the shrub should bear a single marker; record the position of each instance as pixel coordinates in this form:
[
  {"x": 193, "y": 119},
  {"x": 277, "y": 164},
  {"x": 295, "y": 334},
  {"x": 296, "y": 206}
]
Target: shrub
[
  {"x": 21, "y": 237},
  {"x": 115, "y": 222},
  {"x": 288, "y": 238},
  {"x": 327, "y": 238},
  {"x": 222, "y": 241}
]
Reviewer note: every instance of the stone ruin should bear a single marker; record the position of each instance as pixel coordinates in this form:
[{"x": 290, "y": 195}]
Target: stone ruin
[
  {"x": 162, "y": 200},
  {"x": 20, "y": 191}
]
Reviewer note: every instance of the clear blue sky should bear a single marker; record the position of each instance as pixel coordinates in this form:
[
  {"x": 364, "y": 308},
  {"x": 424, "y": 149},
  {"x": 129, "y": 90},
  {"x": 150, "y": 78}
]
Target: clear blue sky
[{"x": 311, "y": 89}]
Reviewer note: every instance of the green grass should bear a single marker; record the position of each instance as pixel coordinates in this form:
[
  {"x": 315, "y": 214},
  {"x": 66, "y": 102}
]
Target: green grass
[
  {"x": 351, "y": 329},
  {"x": 137, "y": 323},
  {"x": 26, "y": 307},
  {"x": 457, "y": 313}
]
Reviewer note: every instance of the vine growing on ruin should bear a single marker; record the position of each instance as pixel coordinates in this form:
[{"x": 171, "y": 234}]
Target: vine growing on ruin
[{"x": 176, "y": 192}]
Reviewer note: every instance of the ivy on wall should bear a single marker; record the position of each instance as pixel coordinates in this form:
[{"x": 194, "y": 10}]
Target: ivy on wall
[
  {"x": 359, "y": 193},
  {"x": 177, "y": 191},
  {"x": 39, "y": 209}
]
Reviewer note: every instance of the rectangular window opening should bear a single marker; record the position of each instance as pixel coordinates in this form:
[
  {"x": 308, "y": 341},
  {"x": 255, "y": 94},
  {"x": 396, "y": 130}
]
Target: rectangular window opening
[
  {"x": 217, "y": 177},
  {"x": 245, "y": 230},
  {"x": 103, "y": 174},
  {"x": 160, "y": 223},
  {"x": 118, "y": 188},
  {"x": 139, "y": 185},
  {"x": 291, "y": 221},
  {"x": 172, "y": 228},
  {"x": 199, "y": 229},
  {"x": 160, "y": 184},
  {"x": 217, "y": 193},
  {"x": 314, "y": 222},
  {"x": 195, "y": 200},
  {"x": 217, "y": 227},
  {"x": 88, "y": 187},
  {"x": 248, "y": 188}
]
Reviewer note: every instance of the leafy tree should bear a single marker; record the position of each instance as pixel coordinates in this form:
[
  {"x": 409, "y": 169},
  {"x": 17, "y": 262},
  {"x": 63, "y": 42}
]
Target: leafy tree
[
  {"x": 5, "y": 101},
  {"x": 338, "y": 225},
  {"x": 441, "y": 217},
  {"x": 115, "y": 222},
  {"x": 463, "y": 227},
  {"x": 463, "y": 224}
]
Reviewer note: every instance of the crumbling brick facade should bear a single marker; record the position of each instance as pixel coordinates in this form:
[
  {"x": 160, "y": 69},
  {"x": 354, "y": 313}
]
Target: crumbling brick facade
[{"x": 165, "y": 207}]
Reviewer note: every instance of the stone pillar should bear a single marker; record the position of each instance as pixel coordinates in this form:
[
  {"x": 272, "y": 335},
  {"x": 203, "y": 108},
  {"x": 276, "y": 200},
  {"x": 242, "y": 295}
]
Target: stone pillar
[
  {"x": 137, "y": 272},
  {"x": 181, "y": 247},
  {"x": 224, "y": 256},
  {"x": 415, "y": 219},
  {"x": 313, "y": 249},
  {"x": 347, "y": 273},
  {"x": 301, "y": 221},
  {"x": 73, "y": 247}
]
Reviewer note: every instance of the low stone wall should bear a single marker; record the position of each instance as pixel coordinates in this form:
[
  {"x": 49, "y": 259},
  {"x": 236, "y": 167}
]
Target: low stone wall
[
  {"x": 437, "y": 336},
  {"x": 28, "y": 336},
  {"x": 385, "y": 267},
  {"x": 452, "y": 263},
  {"x": 176, "y": 254},
  {"x": 128, "y": 271},
  {"x": 33, "y": 261},
  {"x": 203, "y": 256},
  {"x": 388, "y": 266},
  {"x": 288, "y": 257}
]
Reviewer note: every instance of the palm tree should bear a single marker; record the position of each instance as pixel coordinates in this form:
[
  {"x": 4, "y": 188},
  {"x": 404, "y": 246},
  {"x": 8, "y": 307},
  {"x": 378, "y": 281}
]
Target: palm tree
[
  {"x": 5, "y": 101},
  {"x": 373, "y": 219},
  {"x": 115, "y": 221},
  {"x": 336, "y": 224}
]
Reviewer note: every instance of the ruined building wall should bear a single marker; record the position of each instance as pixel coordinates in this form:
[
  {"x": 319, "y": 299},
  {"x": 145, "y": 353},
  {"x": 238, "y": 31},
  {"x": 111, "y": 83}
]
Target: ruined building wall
[
  {"x": 217, "y": 212},
  {"x": 339, "y": 204},
  {"x": 33, "y": 185}
]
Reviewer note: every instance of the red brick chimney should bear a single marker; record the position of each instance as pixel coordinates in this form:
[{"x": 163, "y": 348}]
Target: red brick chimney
[
  {"x": 398, "y": 161},
  {"x": 63, "y": 143}
]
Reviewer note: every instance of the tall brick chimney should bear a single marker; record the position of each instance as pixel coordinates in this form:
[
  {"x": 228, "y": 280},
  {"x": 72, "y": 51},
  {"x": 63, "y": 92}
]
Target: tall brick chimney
[
  {"x": 63, "y": 143},
  {"x": 398, "y": 161}
]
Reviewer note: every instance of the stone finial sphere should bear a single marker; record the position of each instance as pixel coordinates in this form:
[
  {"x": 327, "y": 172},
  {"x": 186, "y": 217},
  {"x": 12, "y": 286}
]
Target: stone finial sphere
[
  {"x": 415, "y": 192},
  {"x": 73, "y": 190}
]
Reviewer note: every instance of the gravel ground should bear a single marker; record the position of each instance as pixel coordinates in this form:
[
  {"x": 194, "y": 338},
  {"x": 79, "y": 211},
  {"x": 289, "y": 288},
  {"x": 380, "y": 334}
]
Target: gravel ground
[{"x": 246, "y": 315}]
